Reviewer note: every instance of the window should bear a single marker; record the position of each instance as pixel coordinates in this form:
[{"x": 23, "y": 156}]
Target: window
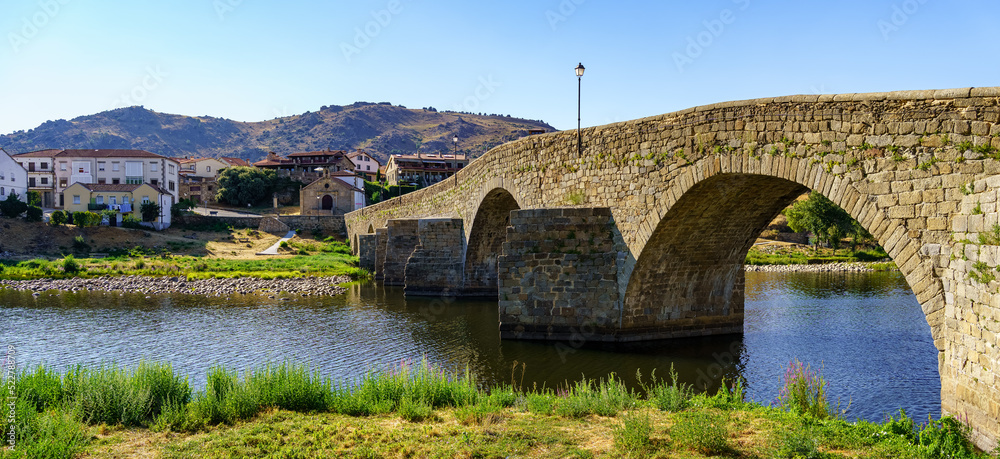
[
  {"x": 3, "y": 192},
  {"x": 124, "y": 199},
  {"x": 62, "y": 165},
  {"x": 44, "y": 166},
  {"x": 114, "y": 166},
  {"x": 115, "y": 181},
  {"x": 154, "y": 182},
  {"x": 45, "y": 180},
  {"x": 31, "y": 182},
  {"x": 152, "y": 167},
  {"x": 145, "y": 199},
  {"x": 100, "y": 165},
  {"x": 62, "y": 183},
  {"x": 208, "y": 168},
  {"x": 170, "y": 168},
  {"x": 170, "y": 185},
  {"x": 100, "y": 199},
  {"x": 76, "y": 199},
  {"x": 114, "y": 200}
]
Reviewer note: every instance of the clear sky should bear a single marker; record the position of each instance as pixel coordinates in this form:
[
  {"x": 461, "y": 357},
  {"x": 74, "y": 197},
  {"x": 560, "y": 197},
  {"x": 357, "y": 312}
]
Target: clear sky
[{"x": 252, "y": 60}]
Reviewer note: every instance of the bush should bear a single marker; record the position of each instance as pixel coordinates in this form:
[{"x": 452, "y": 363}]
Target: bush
[
  {"x": 86, "y": 219},
  {"x": 667, "y": 397},
  {"x": 113, "y": 395},
  {"x": 130, "y": 221},
  {"x": 70, "y": 265},
  {"x": 80, "y": 245},
  {"x": 58, "y": 218},
  {"x": 34, "y": 198},
  {"x": 703, "y": 431},
  {"x": 804, "y": 392},
  {"x": 633, "y": 435},
  {"x": 34, "y": 214},
  {"x": 12, "y": 207},
  {"x": 604, "y": 398},
  {"x": 149, "y": 211}
]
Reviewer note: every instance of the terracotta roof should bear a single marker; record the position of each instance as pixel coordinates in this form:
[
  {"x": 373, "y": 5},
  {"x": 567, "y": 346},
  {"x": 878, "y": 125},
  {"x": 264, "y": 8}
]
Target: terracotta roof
[
  {"x": 318, "y": 153},
  {"x": 109, "y": 154},
  {"x": 189, "y": 160},
  {"x": 37, "y": 154},
  {"x": 119, "y": 187},
  {"x": 268, "y": 162},
  {"x": 235, "y": 161}
]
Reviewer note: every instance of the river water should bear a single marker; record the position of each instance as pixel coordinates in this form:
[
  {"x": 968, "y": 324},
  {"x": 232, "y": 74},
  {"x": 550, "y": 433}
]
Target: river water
[{"x": 864, "y": 332}]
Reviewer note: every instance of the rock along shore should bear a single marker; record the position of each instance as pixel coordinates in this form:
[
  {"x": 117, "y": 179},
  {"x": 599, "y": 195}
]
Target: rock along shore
[
  {"x": 817, "y": 268},
  {"x": 305, "y": 286}
]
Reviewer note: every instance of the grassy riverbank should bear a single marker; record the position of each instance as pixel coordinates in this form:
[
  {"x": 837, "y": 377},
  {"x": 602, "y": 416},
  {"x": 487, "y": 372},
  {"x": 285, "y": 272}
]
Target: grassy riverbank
[
  {"x": 775, "y": 253},
  {"x": 302, "y": 257},
  {"x": 420, "y": 411}
]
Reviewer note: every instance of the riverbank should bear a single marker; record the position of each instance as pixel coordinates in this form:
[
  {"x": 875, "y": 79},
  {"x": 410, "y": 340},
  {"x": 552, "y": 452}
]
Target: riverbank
[
  {"x": 855, "y": 267},
  {"x": 147, "y": 285},
  {"x": 420, "y": 411}
]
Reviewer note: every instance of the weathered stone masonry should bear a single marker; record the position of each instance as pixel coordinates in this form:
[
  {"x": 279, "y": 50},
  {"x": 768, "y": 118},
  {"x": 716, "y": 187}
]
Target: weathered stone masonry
[
  {"x": 402, "y": 239},
  {"x": 436, "y": 265},
  {"x": 918, "y": 169}
]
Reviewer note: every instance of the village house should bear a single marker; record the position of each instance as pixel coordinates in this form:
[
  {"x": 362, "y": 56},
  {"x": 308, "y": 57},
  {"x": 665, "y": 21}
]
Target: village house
[
  {"x": 198, "y": 177},
  {"x": 111, "y": 167},
  {"x": 13, "y": 178},
  {"x": 307, "y": 166},
  {"x": 365, "y": 165},
  {"x": 423, "y": 169},
  {"x": 122, "y": 198}
]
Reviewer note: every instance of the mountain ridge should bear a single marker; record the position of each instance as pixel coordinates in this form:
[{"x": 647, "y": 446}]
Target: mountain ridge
[{"x": 380, "y": 129}]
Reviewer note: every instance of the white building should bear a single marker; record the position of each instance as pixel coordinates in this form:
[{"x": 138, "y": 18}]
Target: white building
[
  {"x": 62, "y": 168},
  {"x": 13, "y": 178},
  {"x": 365, "y": 165}
]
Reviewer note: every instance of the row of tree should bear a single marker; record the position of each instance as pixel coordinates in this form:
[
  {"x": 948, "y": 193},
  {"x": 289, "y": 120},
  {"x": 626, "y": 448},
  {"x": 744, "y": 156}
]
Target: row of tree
[{"x": 241, "y": 185}]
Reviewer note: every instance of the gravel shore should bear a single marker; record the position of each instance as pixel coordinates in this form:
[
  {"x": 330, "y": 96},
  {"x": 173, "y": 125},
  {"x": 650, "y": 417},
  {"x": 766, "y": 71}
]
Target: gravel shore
[
  {"x": 305, "y": 286},
  {"x": 818, "y": 268}
]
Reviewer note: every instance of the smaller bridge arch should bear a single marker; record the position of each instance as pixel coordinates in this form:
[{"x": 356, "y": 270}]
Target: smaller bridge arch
[{"x": 485, "y": 241}]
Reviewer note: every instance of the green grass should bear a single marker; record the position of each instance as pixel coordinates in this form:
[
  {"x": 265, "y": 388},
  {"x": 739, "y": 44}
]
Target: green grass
[
  {"x": 330, "y": 258},
  {"x": 792, "y": 256},
  {"x": 286, "y": 410}
]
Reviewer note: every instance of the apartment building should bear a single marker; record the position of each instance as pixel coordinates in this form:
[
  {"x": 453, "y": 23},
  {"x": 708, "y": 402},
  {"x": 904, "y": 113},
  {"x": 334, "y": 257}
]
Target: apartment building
[
  {"x": 365, "y": 165},
  {"x": 100, "y": 167},
  {"x": 423, "y": 169}
]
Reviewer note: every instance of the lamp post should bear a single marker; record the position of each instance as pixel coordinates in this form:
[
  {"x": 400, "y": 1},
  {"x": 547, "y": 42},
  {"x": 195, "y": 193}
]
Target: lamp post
[
  {"x": 455, "y": 141},
  {"x": 579, "y": 84}
]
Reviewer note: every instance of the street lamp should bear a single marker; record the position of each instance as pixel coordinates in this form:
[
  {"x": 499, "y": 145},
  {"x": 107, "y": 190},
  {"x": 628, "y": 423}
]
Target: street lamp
[
  {"x": 455, "y": 141},
  {"x": 579, "y": 84}
]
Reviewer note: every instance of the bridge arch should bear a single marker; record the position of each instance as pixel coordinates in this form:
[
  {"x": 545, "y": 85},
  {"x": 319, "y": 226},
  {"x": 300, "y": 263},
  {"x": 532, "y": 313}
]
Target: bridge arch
[
  {"x": 688, "y": 277},
  {"x": 485, "y": 241}
]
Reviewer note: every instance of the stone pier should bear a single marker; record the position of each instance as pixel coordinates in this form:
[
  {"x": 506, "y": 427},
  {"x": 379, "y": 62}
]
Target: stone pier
[
  {"x": 401, "y": 239},
  {"x": 558, "y": 276},
  {"x": 436, "y": 265},
  {"x": 381, "y": 239},
  {"x": 366, "y": 251}
]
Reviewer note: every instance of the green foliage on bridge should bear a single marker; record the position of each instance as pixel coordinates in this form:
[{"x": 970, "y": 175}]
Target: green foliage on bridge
[
  {"x": 375, "y": 192},
  {"x": 827, "y": 221}
]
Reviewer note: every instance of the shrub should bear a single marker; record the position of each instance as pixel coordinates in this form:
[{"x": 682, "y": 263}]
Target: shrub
[
  {"x": 667, "y": 397},
  {"x": 80, "y": 244},
  {"x": 633, "y": 435},
  {"x": 33, "y": 214},
  {"x": 604, "y": 397},
  {"x": 804, "y": 392},
  {"x": 114, "y": 395},
  {"x": 149, "y": 211},
  {"x": 12, "y": 207},
  {"x": 415, "y": 410},
  {"x": 41, "y": 388},
  {"x": 70, "y": 265},
  {"x": 706, "y": 432},
  {"x": 58, "y": 218},
  {"x": 85, "y": 219},
  {"x": 130, "y": 221}
]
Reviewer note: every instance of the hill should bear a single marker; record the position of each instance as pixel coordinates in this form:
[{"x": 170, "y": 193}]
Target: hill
[{"x": 379, "y": 128}]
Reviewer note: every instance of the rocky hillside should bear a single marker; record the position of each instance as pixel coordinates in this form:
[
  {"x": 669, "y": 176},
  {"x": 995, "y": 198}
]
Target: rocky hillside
[{"x": 380, "y": 129}]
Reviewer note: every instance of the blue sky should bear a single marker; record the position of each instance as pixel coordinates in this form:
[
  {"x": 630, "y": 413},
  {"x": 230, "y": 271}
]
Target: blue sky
[{"x": 252, "y": 60}]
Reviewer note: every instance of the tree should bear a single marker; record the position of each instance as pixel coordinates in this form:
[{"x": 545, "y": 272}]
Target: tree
[
  {"x": 85, "y": 219},
  {"x": 243, "y": 184},
  {"x": 34, "y": 198},
  {"x": 180, "y": 207},
  {"x": 820, "y": 216},
  {"x": 149, "y": 211},
  {"x": 34, "y": 214},
  {"x": 12, "y": 207}
]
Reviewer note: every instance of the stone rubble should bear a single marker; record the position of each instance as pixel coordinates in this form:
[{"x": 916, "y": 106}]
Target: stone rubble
[{"x": 304, "y": 286}]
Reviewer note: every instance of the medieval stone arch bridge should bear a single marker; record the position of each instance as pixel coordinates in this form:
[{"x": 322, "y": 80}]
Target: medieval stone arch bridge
[{"x": 641, "y": 233}]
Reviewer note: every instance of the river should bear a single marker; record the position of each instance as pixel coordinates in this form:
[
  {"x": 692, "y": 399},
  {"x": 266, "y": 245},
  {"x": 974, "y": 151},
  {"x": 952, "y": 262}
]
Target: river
[{"x": 864, "y": 332}]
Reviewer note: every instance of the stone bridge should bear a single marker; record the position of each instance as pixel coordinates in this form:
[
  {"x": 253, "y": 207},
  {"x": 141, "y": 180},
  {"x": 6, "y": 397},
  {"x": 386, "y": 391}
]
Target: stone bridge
[{"x": 641, "y": 232}]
